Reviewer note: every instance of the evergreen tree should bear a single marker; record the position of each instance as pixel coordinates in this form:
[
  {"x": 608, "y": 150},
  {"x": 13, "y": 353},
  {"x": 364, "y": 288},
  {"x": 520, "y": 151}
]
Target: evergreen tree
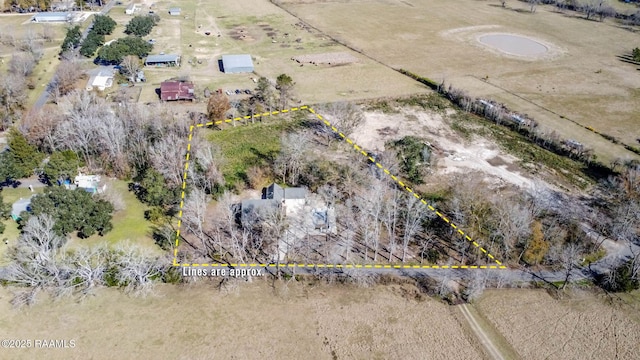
[
  {"x": 72, "y": 39},
  {"x": 153, "y": 190},
  {"x": 23, "y": 157},
  {"x": 73, "y": 210},
  {"x": 140, "y": 25},
  {"x": 103, "y": 25},
  {"x": 5, "y": 213},
  {"x": 62, "y": 165}
]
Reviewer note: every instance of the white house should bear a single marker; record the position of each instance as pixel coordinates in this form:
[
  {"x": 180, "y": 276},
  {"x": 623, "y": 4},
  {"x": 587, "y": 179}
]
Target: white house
[
  {"x": 88, "y": 183},
  {"x": 101, "y": 81}
]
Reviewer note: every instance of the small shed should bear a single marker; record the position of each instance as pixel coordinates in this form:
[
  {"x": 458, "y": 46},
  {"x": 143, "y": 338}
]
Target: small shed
[
  {"x": 232, "y": 64},
  {"x": 132, "y": 9},
  {"x": 19, "y": 206},
  {"x": 162, "y": 60},
  {"x": 174, "y": 11},
  {"x": 48, "y": 17},
  {"x": 177, "y": 90}
]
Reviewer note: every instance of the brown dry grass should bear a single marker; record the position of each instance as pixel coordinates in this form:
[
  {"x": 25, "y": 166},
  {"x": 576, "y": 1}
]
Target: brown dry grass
[
  {"x": 437, "y": 39},
  {"x": 253, "y": 321},
  {"x": 581, "y": 326}
]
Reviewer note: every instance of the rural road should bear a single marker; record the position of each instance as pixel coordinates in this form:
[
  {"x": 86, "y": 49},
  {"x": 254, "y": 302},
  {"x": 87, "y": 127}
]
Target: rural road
[
  {"x": 480, "y": 334},
  {"x": 44, "y": 96}
]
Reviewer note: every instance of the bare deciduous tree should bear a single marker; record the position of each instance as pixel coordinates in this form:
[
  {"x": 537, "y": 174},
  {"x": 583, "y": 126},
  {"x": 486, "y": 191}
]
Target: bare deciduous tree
[
  {"x": 290, "y": 161},
  {"x": 344, "y": 116},
  {"x": 413, "y": 213},
  {"x": 131, "y": 65},
  {"x": 193, "y": 213},
  {"x": 65, "y": 78},
  {"x": 22, "y": 63},
  {"x": 137, "y": 268}
]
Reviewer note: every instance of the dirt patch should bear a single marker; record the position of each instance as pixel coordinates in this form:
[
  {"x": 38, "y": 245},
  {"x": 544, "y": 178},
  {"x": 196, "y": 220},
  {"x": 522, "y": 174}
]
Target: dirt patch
[
  {"x": 334, "y": 58},
  {"x": 241, "y": 33},
  {"x": 455, "y": 155}
]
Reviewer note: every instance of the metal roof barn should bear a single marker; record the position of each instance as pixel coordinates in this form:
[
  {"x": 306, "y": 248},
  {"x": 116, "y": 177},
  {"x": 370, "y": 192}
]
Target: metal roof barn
[
  {"x": 237, "y": 63},
  {"x": 168, "y": 59},
  {"x": 177, "y": 90},
  {"x": 51, "y": 17},
  {"x": 174, "y": 11}
]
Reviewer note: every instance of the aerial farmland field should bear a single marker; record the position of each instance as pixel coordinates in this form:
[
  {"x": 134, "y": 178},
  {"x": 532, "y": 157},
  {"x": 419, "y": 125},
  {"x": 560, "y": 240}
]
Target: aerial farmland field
[{"x": 577, "y": 79}]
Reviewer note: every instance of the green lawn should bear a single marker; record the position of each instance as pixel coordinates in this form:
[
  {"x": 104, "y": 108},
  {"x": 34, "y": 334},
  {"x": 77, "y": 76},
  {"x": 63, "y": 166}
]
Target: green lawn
[
  {"x": 11, "y": 232},
  {"x": 245, "y": 146},
  {"x": 128, "y": 224}
]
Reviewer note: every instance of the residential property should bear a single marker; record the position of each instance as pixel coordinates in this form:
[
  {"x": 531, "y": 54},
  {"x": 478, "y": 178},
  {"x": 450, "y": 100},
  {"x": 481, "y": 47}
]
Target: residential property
[
  {"x": 177, "y": 90},
  {"x": 174, "y": 11},
  {"x": 101, "y": 81},
  {"x": 275, "y": 196},
  {"x": 306, "y": 214},
  {"x": 132, "y": 9},
  {"x": 49, "y": 17},
  {"x": 19, "y": 206},
  {"x": 162, "y": 60},
  {"x": 232, "y": 64},
  {"x": 88, "y": 183}
]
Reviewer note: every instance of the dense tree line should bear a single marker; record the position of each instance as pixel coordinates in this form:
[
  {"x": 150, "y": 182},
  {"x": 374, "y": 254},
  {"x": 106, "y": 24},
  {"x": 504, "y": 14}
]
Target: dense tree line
[
  {"x": 115, "y": 52},
  {"x": 102, "y": 25}
]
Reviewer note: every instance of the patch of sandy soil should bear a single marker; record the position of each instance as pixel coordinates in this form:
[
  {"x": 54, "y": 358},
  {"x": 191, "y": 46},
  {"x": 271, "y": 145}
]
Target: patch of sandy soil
[{"x": 454, "y": 154}]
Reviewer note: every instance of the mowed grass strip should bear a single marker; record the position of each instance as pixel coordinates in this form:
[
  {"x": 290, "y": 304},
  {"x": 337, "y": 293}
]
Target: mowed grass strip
[{"x": 244, "y": 146}]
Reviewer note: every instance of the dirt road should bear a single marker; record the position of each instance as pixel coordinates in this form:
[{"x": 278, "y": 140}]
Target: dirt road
[{"x": 480, "y": 334}]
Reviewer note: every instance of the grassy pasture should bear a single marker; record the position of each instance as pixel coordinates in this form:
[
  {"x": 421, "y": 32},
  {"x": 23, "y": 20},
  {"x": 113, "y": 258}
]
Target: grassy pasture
[
  {"x": 585, "y": 82},
  {"x": 244, "y": 321},
  {"x": 578, "y": 326}
]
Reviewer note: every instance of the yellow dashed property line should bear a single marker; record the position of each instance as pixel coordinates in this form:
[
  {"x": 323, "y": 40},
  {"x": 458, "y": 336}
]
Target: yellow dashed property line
[
  {"x": 345, "y": 266},
  {"x": 348, "y": 266}
]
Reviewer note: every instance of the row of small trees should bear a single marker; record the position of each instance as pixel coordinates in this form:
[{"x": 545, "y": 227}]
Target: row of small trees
[
  {"x": 590, "y": 8},
  {"x": 13, "y": 86},
  {"x": 102, "y": 25},
  {"x": 41, "y": 261}
]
